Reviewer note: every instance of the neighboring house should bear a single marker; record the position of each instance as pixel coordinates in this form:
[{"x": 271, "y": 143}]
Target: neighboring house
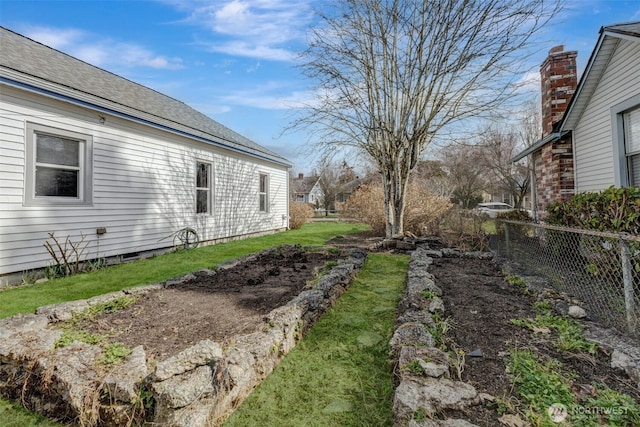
[
  {"x": 596, "y": 142},
  {"x": 307, "y": 189},
  {"x": 84, "y": 152},
  {"x": 604, "y": 115},
  {"x": 552, "y": 156}
]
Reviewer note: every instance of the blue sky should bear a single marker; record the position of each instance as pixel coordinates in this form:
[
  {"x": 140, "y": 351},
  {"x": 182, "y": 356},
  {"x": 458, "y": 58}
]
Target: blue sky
[{"x": 234, "y": 60}]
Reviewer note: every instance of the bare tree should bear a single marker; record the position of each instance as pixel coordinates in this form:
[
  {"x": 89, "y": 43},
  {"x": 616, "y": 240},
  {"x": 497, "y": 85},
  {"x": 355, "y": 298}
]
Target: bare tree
[
  {"x": 333, "y": 178},
  {"x": 498, "y": 147},
  {"x": 466, "y": 174},
  {"x": 394, "y": 74}
]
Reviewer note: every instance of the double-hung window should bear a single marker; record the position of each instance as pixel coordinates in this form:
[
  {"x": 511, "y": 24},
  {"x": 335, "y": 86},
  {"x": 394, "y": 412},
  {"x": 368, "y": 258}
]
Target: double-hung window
[
  {"x": 263, "y": 193},
  {"x": 58, "y": 166},
  {"x": 631, "y": 123},
  {"x": 203, "y": 188}
]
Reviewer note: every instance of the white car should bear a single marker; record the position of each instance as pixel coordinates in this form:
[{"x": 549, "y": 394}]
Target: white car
[{"x": 493, "y": 208}]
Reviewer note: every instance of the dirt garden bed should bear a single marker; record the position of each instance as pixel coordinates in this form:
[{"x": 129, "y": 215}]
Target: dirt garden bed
[
  {"x": 480, "y": 305},
  {"x": 198, "y": 344},
  {"x": 212, "y": 305}
]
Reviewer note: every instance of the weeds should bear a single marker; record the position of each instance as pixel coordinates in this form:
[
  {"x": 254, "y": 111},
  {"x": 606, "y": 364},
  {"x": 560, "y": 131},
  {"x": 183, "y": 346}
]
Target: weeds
[
  {"x": 543, "y": 382},
  {"x": 569, "y": 331},
  {"x": 114, "y": 353},
  {"x": 72, "y": 330},
  {"x": 68, "y": 256}
]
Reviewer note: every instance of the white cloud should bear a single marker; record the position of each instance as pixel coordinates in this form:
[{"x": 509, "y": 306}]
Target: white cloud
[
  {"x": 262, "y": 29},
  {"x": 528, "y": 83},
  {"x": 100, "y": 51}
]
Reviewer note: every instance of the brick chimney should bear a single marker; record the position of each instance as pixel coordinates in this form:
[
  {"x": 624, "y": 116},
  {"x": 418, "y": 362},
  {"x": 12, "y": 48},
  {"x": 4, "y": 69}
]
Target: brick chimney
[{"x": 559, "y": 79}]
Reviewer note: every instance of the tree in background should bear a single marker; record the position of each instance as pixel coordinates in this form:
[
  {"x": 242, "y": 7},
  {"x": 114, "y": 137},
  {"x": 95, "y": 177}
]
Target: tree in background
[
  {"x": 498, "y": 147},
  {"x": 333, "y": 179},
  {"x": 466, "y": 173},
  {"x": 394, "y": 74}
]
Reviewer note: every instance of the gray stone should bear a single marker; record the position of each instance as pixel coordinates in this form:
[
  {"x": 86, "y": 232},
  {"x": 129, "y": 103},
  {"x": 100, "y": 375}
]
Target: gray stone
[
  {"x": 77, "y": 376},
  {"x": 436, "y": 305},
  {"x": 433, "y": 253},
  {"x": 414, "y": 334},
  {"x": 22, "y": 323},
  {"x": 434, "y": 362},
  {"x": 200, "y": 354},
  {"x": 312, "y": 300},
  {"x": 416, "y": 316},
  {"x": 184, "y": 389},
  {"x": 140, "y": 290},
  {"x": 122, "y": 381},
  {"x": 432, "y": 395},
  {"x": 63, "y": 311},
  {"x": 577, "y": 312},
  {"x": 451, "y": 253},
  {"x": 620, "y": 359},
  {"x": 28, "y": 345},
  {"x": 104, "y": 298}
]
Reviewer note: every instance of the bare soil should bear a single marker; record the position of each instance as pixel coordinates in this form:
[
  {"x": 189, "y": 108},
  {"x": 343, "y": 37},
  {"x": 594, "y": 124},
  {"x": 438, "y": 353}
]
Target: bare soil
[
  {"x": 218, "y": 306},
  {"x": 480, "y": 305},
  {"x": 478, "y": 302}
]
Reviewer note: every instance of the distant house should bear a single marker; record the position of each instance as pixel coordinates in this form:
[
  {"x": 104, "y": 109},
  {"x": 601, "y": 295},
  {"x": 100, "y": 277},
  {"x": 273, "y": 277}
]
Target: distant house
[
  {"x": 85, "y": 152},
  {"x": 307, "y": 189}
]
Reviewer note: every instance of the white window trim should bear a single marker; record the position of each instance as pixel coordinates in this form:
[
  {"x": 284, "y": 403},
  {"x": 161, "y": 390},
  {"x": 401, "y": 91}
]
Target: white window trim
[
  {"x": 265, "y": 193},
  {"x": 85, "y": 168},
  {"x": 209, "y": 189}
]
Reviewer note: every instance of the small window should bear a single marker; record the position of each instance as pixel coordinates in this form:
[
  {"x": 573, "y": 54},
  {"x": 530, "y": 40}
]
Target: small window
[
  {"x": 58, "y": 166},
  {"x": 263, "y": 193},
  {"x": 203, "y": 188},
  {"x": 632, "y": 145}
]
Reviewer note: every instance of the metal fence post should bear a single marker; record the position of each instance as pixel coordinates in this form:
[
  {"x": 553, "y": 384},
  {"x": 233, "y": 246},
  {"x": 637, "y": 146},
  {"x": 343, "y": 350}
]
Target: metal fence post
[
  {"x": 627, "y": 278},
  {"x": 506, "y": 239}
]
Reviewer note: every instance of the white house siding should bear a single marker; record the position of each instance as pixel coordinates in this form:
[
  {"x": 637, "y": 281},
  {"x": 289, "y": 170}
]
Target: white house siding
[
  {"x": 143, "y": 187},
  {"x": 592, "y": 135}
]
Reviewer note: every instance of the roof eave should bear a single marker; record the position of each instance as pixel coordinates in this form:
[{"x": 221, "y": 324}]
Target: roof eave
[
  {"x": 576, "y": 106},
  {"x": 146, "y": 121},
  {"x": 537, "y": 146}
]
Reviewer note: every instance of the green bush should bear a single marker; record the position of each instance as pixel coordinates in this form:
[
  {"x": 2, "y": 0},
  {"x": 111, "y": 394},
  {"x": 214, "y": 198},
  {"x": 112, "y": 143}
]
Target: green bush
[
  {"x": 517, "y": 215},
  {"x": 614, "y": 209}
]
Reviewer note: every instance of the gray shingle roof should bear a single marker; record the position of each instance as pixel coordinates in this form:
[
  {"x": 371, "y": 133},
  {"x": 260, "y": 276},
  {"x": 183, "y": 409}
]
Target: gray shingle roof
[{"x": 27, "y": 62}]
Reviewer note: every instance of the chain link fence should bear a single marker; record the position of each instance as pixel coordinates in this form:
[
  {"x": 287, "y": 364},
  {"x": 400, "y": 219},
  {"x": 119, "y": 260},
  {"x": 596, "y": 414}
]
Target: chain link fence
[{"x": 600, "y": 269}]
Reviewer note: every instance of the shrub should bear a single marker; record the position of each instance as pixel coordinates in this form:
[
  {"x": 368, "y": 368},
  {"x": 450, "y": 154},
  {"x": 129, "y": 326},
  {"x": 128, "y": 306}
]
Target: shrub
[
  {"x": 614, "y": 209},
  {"x": 465, "y": 229},
  {"x": 299, "y": 214},
  {"x": 423, "y": 210},
  {"x": 516, "y": 215}
]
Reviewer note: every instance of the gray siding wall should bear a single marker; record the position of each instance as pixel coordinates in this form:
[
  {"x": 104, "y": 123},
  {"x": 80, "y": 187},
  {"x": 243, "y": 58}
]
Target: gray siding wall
[
  {"x": 593, "y": 140},
  {"x": 143, "y": 187}
]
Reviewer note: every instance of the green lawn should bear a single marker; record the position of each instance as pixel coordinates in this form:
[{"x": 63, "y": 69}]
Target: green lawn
[
  {"x": 26, "y": 299},
  {"x": 340, "y": 373}
]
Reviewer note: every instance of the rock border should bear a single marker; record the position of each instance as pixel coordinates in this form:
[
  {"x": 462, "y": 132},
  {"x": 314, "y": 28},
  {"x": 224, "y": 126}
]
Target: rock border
[{"x": 199, "y": 386}]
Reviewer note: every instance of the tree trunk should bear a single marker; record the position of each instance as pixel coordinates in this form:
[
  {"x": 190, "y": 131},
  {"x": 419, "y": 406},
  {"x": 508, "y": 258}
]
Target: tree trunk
[{"x": 395, "y": 187}]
